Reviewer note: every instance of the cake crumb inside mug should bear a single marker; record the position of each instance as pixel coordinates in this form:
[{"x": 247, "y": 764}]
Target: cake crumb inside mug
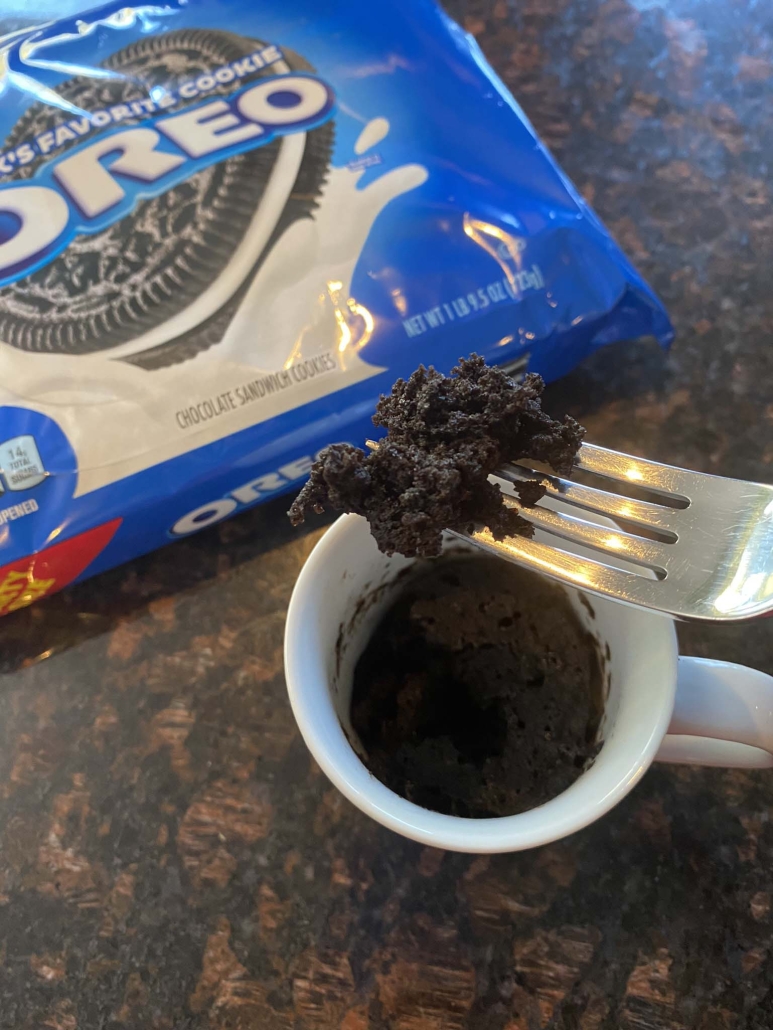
[{"x": 658, "y": 705}]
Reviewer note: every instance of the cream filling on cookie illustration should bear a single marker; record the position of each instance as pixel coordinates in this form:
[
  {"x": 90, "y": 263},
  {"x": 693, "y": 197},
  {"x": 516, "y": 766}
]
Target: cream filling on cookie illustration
[{"x": 295, "y": 337}]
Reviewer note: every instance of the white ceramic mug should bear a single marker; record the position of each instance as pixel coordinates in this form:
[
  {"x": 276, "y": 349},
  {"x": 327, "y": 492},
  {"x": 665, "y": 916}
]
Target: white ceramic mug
[{"x": 659, "y": 705}]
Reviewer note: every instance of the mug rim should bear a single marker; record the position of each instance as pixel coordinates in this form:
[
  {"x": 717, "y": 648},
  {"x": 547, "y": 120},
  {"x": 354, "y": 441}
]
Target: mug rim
[{"x": 309, "y": 690}]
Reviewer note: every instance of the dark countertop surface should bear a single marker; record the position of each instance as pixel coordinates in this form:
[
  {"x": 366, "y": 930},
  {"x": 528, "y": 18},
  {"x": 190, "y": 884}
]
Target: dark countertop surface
[{"x": 170, "y": 857}]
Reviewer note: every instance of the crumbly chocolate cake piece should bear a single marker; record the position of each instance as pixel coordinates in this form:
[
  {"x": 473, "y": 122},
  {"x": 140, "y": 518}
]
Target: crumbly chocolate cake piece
[
  {"x": 479, "y": 693},
  {"x": 445, "y": 436}
]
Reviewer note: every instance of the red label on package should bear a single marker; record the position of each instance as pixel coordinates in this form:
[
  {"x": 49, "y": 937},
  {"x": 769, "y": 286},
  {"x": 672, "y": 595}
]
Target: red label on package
[{"x": 25, "y": 580}]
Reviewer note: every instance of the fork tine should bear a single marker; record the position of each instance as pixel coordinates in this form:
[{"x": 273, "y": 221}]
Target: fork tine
[
  {"x": 636, "y": 471},
  {"x": 599, "y": 538},
  {"x": 566, "y": 567},
  {"x": 614, "y": 506}
]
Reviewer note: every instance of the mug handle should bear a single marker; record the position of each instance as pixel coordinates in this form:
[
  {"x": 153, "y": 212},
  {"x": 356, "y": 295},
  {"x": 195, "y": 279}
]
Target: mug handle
[{"x": 723, "y": 715}]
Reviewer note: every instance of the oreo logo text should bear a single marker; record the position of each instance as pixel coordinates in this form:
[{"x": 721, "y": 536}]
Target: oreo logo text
[
  {"x": 96, "y": 184},
  {"x": 253, "y": 490}
]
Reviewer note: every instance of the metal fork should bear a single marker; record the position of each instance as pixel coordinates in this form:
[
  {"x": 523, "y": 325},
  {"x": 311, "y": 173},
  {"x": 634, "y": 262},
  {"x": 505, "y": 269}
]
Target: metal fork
[{"x": 702, "y": 549}]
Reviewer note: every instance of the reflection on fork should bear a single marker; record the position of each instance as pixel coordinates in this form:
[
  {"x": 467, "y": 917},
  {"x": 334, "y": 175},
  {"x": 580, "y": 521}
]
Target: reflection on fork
[{"x": 700, "y": 548}]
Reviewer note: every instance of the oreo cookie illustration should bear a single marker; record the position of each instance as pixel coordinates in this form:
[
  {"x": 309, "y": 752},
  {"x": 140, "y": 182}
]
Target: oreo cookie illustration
[{"x": 163, "y": 282}]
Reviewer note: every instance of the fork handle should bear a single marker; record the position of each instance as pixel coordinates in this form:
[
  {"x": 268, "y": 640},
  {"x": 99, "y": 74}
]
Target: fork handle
[{"x": 723, "y": 716}]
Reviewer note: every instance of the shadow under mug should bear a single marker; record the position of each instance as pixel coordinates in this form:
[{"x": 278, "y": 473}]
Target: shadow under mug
[{"x": 658, "y": 706}]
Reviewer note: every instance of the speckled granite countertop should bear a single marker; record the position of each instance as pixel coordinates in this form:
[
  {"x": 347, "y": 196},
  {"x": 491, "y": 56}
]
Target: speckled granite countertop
[{"x": 169, "y": 855}]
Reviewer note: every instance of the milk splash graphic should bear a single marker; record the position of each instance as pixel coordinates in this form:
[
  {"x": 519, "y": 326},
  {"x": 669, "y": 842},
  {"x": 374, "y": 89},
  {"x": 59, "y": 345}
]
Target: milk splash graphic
[
  {"x": 120, "y": 418},
  {"x": 285, "y": 316}
]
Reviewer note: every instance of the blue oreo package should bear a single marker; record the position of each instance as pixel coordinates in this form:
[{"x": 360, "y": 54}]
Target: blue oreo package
[{"x": 226, "y": 228}]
